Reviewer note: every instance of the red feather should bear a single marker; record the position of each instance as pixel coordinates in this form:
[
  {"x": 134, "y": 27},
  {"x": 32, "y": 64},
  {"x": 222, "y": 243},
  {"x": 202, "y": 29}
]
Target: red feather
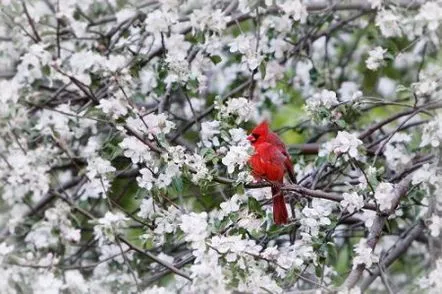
[{"x": 270, "y": 162}]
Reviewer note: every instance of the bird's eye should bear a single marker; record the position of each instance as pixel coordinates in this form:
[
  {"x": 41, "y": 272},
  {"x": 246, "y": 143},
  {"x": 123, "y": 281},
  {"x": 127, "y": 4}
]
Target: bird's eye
[{"x": 253, "y": 137}]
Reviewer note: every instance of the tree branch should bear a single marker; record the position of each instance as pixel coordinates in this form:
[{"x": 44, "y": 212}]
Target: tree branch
[
  {"x": 376, "y": 231},
  {"x": 394, "y": 253}
]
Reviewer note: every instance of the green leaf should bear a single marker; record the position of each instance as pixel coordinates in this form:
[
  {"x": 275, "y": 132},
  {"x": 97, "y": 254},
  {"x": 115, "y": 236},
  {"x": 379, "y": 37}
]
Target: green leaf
[
  {"x": 332, "y": 251},
  {"x": 255, "y": 207},
  {"x": 402, "y": 88},
  {"x": 177, "y": 184},
  {"x": 46, "y": 70},
  {"x": 341, "y": 123},
  {"x": 216, "y": 59},
  {"x": 262, "y": 69}
]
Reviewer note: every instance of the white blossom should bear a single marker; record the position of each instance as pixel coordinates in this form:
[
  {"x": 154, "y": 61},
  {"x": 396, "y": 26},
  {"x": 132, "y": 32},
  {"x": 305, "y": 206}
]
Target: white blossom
[
  {"x": 364, "y": 254},
  {"x": 209, "y": 132},
  {"x": 344, "y": 143},
  {"x": 325, "y": 98},
  {"x": 147, "y": 179},
  {"x": 430, "y": 13},
  {"x": 113, "y": 106},
  {"x": 136, "y": 150},
  {"x": 352, "y": 202},
  {"x": 349, "y": 91},
  {"x": 296, "y": 9},
  {"x": 229, "y": 206},
  {"x": 388, "y": 23},
  {"x": 236, "y": 157},
  {"x": 435, "y": 226},
  {"x": 47, "y": 283},
  {"x": 375, "y": 4},
  {"x": 375, "y": 58},
  {"x": 316, "y": 216},
  {"x": 98, "y": 166},
  {"x": 384, "y": 196},
  {"x": 200, "y": 170},
  {"x": 432, "y": 132},
  {"x": 194, "y": 226},
  {"x": 426, "y": 174},
  {"x": 234, "y": 246},
  {"x": 147, "y": 208},
  {"x": 433, "y": 281},
  {"x": 425, "y": 88},
  {"x": 158, "y": 124},
  {"x": 239, "y": 107},
  {"x": 109, "y": 226}
]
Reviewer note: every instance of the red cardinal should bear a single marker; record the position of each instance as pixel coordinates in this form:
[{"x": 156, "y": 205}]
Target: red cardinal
[{"x": 270, "y": 162}]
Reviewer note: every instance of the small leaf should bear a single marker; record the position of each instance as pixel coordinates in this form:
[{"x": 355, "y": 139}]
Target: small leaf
[
  {"x": 255, "y": 207},
  {"x": 262, "y": 69},
  {"x": 177, "y": 184},
  {"x": 216, "y": 59},
  {"x": 402, "y": 88},
  {"x": 341, "y": 123}
]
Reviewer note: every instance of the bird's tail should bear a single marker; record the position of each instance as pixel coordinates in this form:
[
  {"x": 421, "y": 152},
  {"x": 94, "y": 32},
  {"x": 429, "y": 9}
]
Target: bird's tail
[{"x": 280, "y": 214}]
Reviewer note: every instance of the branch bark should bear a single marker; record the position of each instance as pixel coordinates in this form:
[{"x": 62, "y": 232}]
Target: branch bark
[
  {"x": 394, "y": 253},
  {"x": 376, "y": 231}
]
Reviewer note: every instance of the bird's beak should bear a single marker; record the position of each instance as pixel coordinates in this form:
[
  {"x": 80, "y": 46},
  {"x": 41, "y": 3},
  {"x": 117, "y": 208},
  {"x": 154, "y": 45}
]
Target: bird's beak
[{"x": 251, "y": 138}]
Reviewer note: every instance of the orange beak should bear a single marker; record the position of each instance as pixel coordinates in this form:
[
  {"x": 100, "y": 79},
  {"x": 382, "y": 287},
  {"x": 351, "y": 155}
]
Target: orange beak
[{"x": 251, "y": 138}]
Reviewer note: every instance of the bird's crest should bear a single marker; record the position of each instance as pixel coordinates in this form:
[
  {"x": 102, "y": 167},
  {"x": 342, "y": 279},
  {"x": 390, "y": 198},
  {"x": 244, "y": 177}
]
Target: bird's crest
[{"x": 259, "y": 133}]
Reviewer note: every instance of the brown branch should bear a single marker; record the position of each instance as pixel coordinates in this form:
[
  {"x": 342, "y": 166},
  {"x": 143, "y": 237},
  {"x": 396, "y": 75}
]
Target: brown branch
[
  {"x": 376, "y": 231},
  {"x": 171, "y": 267},
  {"x": 208, "y": 111},
  {"x": 31, "y": 22},
  {"x": 321, "y": 194},
  {"x": 394, "y": 253}
]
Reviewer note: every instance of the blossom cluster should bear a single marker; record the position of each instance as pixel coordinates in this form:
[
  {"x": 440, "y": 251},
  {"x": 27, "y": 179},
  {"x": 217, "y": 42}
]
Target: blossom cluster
[{"x": 124, "y": 152}]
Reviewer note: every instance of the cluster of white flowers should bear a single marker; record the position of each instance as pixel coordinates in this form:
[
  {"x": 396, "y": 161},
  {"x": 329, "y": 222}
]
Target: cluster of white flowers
[
  {"x": 229, "y": 206},
  {"x": 433, "y": 281},
  {"x": 430, "y": 14},
  {"x": 427, "y": 174},
  {"x": 236, "y": 157},
  {"x": 114, "y": 107},
  {"x": 246, "y": 45},
  {"x": 432, "y": 132},
  {"x": 352, "y": 202},
  {"x": 233, "y": 247},
  {"x": 295, "y": 256},
  {"x": 209, "y": 132},
  {"x": 241, "y": 108},
  {"x": 98, "y": 184},
  {"x": 349, "y": 91},
  {"x": 200, "y": 171},
  {"x": 102, "y": 94},
  {"x": 316, "y": 216},
  {"x": 436, "y": 225},
  {"x": 384, "y": 196},
  {"x": 396, "y": 153},
  {"x": 325, "y": 98},
  {"x": 364, "y": 254},
  {"x": 344, "y": 144},
  {"x": 375, "y": 58},
  {"x": 425, "y": 88},
  {"x": 136, "y": 150},
  {"x": 195, "y": 228},
  {"x": 109, "y": 226},
  {"x": 388, "y": 23}
]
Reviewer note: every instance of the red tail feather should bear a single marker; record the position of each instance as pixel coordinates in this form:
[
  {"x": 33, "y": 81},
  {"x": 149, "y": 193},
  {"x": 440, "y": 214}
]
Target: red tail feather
[{"x": 280, "y": 214}]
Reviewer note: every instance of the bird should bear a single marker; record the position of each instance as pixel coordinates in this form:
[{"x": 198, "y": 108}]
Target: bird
[{"x": 270, "y": 161}]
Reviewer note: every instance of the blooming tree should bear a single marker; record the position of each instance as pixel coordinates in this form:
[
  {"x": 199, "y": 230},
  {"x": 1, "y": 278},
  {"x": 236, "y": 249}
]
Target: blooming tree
[{"x": 124, "y": 158}]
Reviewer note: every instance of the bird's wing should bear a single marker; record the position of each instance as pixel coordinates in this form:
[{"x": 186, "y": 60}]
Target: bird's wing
[
  {"x": 275, "y": 140},
  {"x": 268, "y": 162}
]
